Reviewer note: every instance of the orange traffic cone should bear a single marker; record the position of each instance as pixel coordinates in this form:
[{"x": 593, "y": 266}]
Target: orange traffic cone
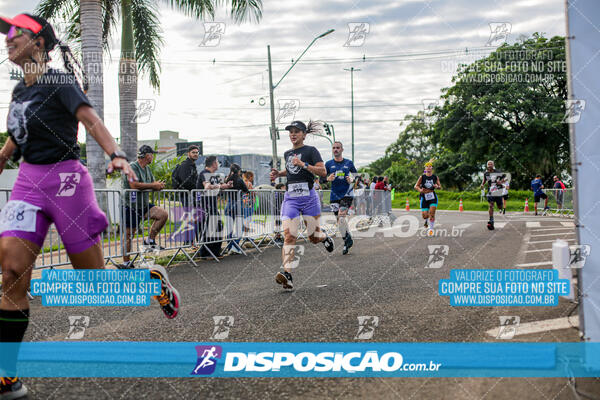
[
  {"x": 407, "y": 205},
  {"x": 460, "y": 206},
  {"x": 526, "y": 205}
]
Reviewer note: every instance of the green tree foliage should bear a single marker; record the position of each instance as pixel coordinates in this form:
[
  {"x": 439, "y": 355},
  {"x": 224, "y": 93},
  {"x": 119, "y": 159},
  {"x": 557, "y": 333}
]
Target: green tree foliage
[
  {"x": 162, "y": 170},
  {"x": 507, "y": 107}
]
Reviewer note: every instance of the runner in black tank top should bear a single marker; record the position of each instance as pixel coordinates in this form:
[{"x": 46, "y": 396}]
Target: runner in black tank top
[{"x": 426, "y": 185}]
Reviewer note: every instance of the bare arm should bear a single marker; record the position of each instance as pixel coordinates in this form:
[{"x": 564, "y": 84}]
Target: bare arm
[
  {"x": 417, "y": 185},
  {"x": 318, "y": 169},
  {"x": 6, "y": 153}
]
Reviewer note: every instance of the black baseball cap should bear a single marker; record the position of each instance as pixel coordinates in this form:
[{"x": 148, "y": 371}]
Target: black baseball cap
[
  {"x": 296, "y": 124},
  {"x": 145, "y": 149}
]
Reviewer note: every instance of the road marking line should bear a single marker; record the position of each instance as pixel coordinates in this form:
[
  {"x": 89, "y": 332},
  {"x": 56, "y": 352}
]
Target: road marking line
[
  {"x": 541, "y": 326},
  {"x": 499, "y": 224},
  {"x": 551, "y": 241},
  {"x": 536, "y": 251},
  {"x": 532, "y": 224},
  {"x": 569, "y": 224},
  {"x": 551, "y": 229},
  {"x": 535, "y": 264},
  {"x": 553, "y": 234}
]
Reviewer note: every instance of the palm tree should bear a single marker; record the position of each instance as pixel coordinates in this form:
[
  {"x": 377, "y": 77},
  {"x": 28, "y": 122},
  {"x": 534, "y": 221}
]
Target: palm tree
[{"x": 141, "y": 41}]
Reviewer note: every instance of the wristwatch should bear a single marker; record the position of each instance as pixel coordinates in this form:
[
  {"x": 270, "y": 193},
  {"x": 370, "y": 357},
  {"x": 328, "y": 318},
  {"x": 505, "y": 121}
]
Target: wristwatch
[
  {"x": 306, "y": 165},
  {"x": 118, "y": 154}
]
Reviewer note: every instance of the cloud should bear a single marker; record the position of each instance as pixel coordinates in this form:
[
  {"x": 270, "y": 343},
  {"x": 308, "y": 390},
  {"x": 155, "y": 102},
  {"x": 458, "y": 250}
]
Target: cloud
[{"x": 211, "y": 102}]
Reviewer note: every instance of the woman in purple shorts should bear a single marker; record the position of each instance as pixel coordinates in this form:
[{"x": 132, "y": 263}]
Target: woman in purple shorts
[
  {"x": 52, "y": 186},
  {"x": 302, "y": 163}
]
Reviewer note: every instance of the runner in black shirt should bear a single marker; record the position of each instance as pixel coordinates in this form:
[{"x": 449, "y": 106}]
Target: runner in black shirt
[
  {"x": 301, "y": 163},
  {"x": 52, "y": 186},
  {"x": 426, "y": 185}
]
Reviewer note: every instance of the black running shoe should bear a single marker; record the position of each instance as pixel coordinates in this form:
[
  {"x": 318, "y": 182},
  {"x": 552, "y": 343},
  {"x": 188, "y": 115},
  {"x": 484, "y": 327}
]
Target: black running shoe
[
  {"x": 169, "y": 296},
  {"x": 152, "y": 243},
  {"x": 328, "y": 243},
  {"x": 284, "y": 278},
  {"x": 11, "y": 388},
  {"x": 504, "y": 211},
  {"x": 490, "y": 225},
  {"x": 348, "y": 242},
  {"x": 425, "y": 224}
]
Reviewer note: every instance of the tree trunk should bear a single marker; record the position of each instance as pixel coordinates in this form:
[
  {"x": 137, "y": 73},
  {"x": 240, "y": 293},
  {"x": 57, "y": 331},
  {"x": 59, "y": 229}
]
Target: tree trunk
[
  {"x": 91, "y": 45},
  {"x": 128, "y": 84}
]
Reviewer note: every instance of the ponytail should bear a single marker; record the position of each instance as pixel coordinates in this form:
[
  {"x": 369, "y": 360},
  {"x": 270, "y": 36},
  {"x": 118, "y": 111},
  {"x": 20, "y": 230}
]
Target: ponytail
[
  {"x": 67, "y": 56},
  {"x": 314, "y": 127}
]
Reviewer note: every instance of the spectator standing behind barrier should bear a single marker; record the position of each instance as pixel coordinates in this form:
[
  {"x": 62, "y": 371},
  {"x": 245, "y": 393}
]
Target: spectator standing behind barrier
[
  {"x": 248, "y": 199},
  {"x": 359, "y": 194},
  {"x": 387, "y": 184},
  {"x": 138, "y": 206},
  {"x": 185, "y": 174},
  {"x": 560, "y": 190},
  {"x": 232, "y": 210},
  {"x": 211, "y": 183}
]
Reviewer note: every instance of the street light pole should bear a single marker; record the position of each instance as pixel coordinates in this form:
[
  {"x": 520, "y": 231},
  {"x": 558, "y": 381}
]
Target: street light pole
[
  {"x": 274, "y": 132},
  {"x": 352, "y": 69}
]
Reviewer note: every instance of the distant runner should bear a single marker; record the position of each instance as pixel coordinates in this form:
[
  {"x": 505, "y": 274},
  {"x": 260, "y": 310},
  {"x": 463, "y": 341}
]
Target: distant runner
[
  {"x": 426, "y": 185},
  {"x": 537, "y": 186},
  {"x": 495, "y": 179},
  {"x": 339, "y": 171}
]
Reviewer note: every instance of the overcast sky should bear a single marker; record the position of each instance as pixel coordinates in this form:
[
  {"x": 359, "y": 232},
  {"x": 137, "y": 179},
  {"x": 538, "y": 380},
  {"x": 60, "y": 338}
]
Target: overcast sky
[{"x": 213, "y": 102}]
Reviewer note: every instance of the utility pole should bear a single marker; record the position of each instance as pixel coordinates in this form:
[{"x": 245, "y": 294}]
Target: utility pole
[
  {"x": 274, "y": 132},
  {"x": 352, "y": 69}
]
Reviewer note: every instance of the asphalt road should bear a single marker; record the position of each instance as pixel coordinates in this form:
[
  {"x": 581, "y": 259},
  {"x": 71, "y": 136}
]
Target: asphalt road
[{"x": 384, "y": 276}]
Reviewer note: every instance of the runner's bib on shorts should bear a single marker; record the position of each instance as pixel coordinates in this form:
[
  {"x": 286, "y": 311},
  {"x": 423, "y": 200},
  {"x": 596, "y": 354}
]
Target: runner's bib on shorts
[
  {"x": 299, "y": 189},
  {"x": 429, "y": 196},
  {"x": 17, "y": 215}
]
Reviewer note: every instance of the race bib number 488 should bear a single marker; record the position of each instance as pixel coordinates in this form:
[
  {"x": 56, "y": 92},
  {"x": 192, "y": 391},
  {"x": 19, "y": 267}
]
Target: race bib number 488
[{"x": 17, "y": 215}]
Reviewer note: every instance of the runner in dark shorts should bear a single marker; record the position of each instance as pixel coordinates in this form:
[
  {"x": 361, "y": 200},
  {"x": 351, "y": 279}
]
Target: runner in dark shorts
[
  {"x": 302, "y": 162},
  {"x": 426, "y": 185},
  {"x": 52, "y": 186},
  {"x": 495, "y": 179},
  {"x": 538, "y": 193},
  {"x": 339, "y": 173}
]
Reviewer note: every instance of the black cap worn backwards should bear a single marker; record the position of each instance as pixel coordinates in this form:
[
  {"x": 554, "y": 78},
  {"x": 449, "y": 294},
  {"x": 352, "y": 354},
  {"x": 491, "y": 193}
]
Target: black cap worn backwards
[{"x": 145, "y": 149}]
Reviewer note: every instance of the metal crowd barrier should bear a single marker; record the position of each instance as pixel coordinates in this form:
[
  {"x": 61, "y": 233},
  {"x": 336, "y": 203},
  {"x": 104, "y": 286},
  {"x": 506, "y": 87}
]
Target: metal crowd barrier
[
  {"x": 207, "y": 222},
  {"x": 560, "y": 202}
]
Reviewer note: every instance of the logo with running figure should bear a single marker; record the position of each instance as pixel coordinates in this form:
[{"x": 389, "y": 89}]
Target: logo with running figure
[
  {"x": 437, "y": 255},
  {"x": 357, "y": 34},
  {"x": 508, "y": 326},
  {"x": 207, "y": 359},
  {"x": 573, "y": 111},
  {"x": 223, "y": 324},
  {"x": 287, "y": 109},
  {"x": 578, "y": 255},
  {"x": 213, "y": 31},
  {"x": 499, "y": 32},
  {"x": 143, "y": 111},
  {"x": 77, "y": 326},
  {"x": 366, "y": 327},
  {"x": 68, "y": 183},
  {"x": 291, "y": 255}
]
